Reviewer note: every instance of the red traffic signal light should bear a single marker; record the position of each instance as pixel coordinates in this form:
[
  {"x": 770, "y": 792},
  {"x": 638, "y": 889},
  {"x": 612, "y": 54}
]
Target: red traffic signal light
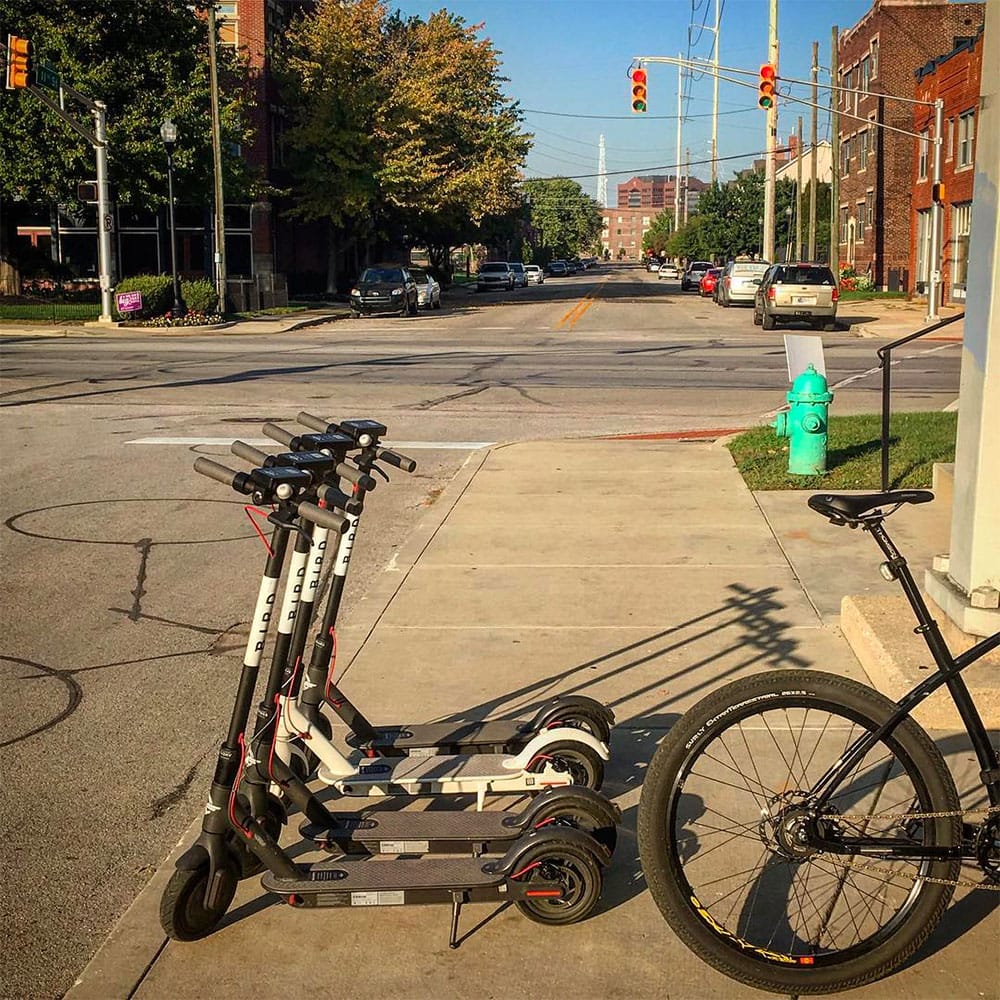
[
  {"x": 638, "y": 90},
  {"x": 767, "y": 86},
  {"x": 18, "y": 53}
]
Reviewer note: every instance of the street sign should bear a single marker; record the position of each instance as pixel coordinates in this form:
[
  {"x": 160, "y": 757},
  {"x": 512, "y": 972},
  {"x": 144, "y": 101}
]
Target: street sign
[
  {"x": 126, "y": 302},
  {"x": 46, "y": 75}
]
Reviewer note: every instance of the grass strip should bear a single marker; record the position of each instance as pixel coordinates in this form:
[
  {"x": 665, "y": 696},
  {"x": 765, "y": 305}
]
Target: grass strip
[{"x": 854, "y": 456}]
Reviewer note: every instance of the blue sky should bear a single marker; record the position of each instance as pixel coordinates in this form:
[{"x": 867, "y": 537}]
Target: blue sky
[{"x": 571, "y": 57}]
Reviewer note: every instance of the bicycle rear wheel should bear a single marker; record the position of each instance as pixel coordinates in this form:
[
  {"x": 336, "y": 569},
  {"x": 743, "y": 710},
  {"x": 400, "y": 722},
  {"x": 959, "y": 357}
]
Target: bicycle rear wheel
[{"x": 727, "y": 847}]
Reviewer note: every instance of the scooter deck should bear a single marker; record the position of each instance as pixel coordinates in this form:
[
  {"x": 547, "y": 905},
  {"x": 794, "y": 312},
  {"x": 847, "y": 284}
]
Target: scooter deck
[
  {"x": 412, "y": 832},
  {"x": 362, "y": 876},
  {"x": 444, "y": 737}
]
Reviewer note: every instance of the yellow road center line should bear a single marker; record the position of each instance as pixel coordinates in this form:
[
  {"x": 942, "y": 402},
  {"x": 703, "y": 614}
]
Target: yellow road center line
[{"x": 581, "y": 307}]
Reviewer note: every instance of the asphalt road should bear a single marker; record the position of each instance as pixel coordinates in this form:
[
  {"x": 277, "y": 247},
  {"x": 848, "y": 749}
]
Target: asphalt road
[{"x": 127, "y": 578}]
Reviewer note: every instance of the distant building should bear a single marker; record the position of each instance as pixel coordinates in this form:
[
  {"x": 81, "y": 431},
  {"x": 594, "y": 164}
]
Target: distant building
[
  {"x": 877, "y": 56},
  {"x": 624, "y": 229},
  {"x": 954, "y": 77},
  {"x": 657, "y": 191},
  {"x": 824, "y": 172}
]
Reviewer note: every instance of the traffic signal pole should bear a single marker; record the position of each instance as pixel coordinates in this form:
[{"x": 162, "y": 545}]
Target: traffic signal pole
[
  {"x": 677, "y": 158},
  {"x": 937, "y": 211},
  {"x": 771, "y": 138}
]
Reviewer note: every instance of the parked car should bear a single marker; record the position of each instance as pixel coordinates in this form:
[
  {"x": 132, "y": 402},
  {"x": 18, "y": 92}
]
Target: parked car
[
  {"x": 653, "y": 265},
  {"x": 494, "y": 274},
  {"x": 534, "y": 274},
  {"x": 740, "y": 280},
  {"x": 575, "y": 265},
  {"x": 668, "y": 271},
  {"x": 428, "y": 288},
  {"x": 709, "y": 281},
  {"x": 797, "y": 292},
  {"x": 557, "y": 268},
  {"x": 694, "y": 273},
  {"x": 387, "y": 288},
  {"x": 520, "y": 278}
]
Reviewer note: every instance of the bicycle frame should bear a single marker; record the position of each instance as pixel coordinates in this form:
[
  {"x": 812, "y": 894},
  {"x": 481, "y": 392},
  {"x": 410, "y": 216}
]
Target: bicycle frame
[{"x": 948, "y": 673}]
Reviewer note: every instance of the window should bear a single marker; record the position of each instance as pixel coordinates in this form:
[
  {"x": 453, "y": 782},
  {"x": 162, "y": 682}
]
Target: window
[
  {"x": 845, "y": 156},
  {"x": 874, "y": 57},
  {"x": 228, "y": 22},
  {"x": 635, "y": 199},
  {"x": 863, "y": 150},
  {"x": 923, "y": 248},
  {"x": 866, "y": 68},
  {"x": 870, "y": 208},
  {"x": 860, "y": 216},
  {"x": 966, "y": 138},
  {"x": 844, "y": 215},
  {"x": 845, "y": 82},
  {"x": 950, "y": 133},
  {"x": 923, "y": 147},
  {"x": 960, "y": 228}
]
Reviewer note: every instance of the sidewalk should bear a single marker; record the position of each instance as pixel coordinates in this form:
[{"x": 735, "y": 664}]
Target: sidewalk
[
  {"x": 643, "y": 573},
  {"x": 890, "y": 319}
]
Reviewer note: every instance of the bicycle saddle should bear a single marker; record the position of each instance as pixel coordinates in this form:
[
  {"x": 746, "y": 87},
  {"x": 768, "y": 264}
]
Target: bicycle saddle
[{"x": 841, "y": 509}]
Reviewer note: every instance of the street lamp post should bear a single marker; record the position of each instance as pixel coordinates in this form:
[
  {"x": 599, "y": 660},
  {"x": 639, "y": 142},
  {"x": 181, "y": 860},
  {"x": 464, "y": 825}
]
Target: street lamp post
[
  {"x": 788, "y": 233},
  {"x": 168, "y": 133},
  {"x": 760, "y": 224}
]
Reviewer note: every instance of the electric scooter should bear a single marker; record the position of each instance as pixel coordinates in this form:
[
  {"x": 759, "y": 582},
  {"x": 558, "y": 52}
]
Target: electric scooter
[
  {"x": 552, "y": 874},
  {"x": 465, "y": 737}
]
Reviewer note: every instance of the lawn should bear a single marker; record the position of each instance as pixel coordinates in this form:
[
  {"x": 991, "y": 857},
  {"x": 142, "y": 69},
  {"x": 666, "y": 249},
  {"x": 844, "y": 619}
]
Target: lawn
[
  {"x": 854, "y": 457},
  {"x": 50, "y": 312},
  {"x": 869, "y": 296}
]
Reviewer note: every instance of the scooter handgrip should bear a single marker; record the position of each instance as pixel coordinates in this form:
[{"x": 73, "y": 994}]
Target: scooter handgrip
[
  {"x": 355, "y": 476},
  {"x": 394, "y": 458},
  {"x": 324, "y": 518},
  {"x": 279, "y": 434},
  {"x": 248, "y": 452},
  {"x": 312, "y": 421},
  {"x": 334, "y": 497},
  {"x": 239, "y": 481}
]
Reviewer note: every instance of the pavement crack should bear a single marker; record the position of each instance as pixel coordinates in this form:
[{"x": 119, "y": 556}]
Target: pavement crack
[
  {"x": 429, "y": 404},
  {"x": 159, "y": 806}
]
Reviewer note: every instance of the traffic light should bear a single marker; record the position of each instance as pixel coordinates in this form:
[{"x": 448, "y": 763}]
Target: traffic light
[
  {"x": 638, "y": 90},
  {"x": 938, "y": 193},
  {"x": 767, "y": 86},
  {"x": 18, "y": 51}
]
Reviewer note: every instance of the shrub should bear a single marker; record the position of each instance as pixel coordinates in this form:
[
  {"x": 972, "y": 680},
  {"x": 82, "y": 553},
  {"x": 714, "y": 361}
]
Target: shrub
[
  {"x": 157, "y": 294},
  {"x": 199, "y": 296}
]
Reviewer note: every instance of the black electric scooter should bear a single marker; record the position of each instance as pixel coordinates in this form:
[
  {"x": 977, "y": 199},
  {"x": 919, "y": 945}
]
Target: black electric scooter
[
  {"x": 464, "y": 737},
  {"x": 554, "y": 875}
]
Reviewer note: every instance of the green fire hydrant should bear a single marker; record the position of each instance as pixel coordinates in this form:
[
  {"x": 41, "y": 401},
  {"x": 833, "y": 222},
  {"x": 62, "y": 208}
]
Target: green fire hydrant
[{"x": 805, "y": 424}]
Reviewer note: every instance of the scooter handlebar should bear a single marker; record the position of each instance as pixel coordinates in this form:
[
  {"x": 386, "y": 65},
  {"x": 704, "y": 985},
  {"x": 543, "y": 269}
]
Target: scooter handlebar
[
  {"x": 279, "y": 434},
  {"x": 248, "y": 452},
  {"x": 312, "y": 421},
  {"x": 355, "y": 476},
  {"x": 239, "y": 481},
  {"x": 324, "y": 518},
  {"x": 396, "y": 459}
]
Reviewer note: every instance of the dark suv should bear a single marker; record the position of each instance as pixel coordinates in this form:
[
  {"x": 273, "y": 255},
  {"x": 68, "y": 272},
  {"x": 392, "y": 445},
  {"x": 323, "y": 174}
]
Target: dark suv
[
  {"x": 797, "y": 292},
  {"x": 387, "y": 288}
]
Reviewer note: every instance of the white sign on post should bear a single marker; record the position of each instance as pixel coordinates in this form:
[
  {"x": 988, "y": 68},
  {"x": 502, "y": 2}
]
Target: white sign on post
[{"x": 802, "y": 350}]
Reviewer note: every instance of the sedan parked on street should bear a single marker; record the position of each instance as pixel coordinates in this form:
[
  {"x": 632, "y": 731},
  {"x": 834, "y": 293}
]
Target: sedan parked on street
[
  {"x": 388, "y": 288},
  {"x": 534, "y": 274},
  {"x": 493, "y": 275},
  {"x": 790, "y": 293},
  {"x": 668, "y": 271},
  {"x": 694, "y": 273},
  {"x": 653, "y": 265},
  {"x": 428, "y": 288},
  {"x": 709, "y": 281},
  {"x": 557, "y": 268},
  {"x": 520, "y": 277},
  {"x": 739, "y": 282}
]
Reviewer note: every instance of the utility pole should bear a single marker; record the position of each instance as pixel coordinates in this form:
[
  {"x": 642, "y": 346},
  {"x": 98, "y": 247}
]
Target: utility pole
[
  {"x": 798, "y": 195},
  {"x": 105, "y": 220},
  {"x": 677, "y": 159},
  {"x": 813, "y": 153},
  {"x": 602, "y": 175},
  {"x": 772, "y": 135},
  {"x": 687, "y": 175},
  {"x": 220, "y": 200},
  {"x": 715, "y": 99},
  {"x": 834, "y": 157},
  {"x": 934, "y": 285}
]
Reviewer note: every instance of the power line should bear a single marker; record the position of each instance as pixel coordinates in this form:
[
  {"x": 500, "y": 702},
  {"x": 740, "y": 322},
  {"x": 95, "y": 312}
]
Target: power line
[
  {"x": 604, "y": 118},
  {"x": 667, "y": 167}
]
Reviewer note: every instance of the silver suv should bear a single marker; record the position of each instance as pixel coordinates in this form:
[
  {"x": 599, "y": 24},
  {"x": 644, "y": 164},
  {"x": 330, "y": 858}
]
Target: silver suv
[
  {"x": 494, "y": 274},
  {"x": 694, "y": 273}
]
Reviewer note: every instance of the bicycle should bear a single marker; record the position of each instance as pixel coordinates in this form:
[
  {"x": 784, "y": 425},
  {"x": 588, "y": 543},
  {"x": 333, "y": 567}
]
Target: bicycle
[{"x": 799, "y": 831}]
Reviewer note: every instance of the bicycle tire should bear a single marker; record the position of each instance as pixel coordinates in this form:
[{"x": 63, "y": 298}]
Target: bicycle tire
[{"x": 705, "y": 923}]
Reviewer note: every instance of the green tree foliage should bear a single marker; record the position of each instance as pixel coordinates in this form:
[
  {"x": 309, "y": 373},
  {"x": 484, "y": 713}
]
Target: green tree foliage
[
  {"x": 399, "y": 127},
  {"x": 566, "y": 221},
  {"x": 146, "y": 60},
  {"x": 655, "y": 238}
]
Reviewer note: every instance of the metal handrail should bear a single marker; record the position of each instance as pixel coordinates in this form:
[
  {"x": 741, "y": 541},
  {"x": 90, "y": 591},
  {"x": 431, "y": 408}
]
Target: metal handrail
[{"x": 884, "y": 354}]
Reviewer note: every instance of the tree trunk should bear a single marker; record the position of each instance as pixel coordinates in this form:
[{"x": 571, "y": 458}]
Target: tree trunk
[
  {"x": 10, "y": 271},
  {"x": 333, "y": 245}
]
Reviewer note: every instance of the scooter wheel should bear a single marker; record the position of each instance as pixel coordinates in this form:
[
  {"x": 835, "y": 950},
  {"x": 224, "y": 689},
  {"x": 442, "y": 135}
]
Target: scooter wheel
[
  {"x": 273, "y": 820},
  {"x": 602, "y": 828},
  {"x": 589, "y": 723},
  {"x": 183, "y": 914},
  {"x": 584, "y": 765},
  {"x": 575, "y": 869}
]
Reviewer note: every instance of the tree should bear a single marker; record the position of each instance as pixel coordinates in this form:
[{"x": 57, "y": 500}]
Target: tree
[
  {"x": 400, "y": 128},
  {"x": 146, "y": 60},
  {"x": 655, "y": 238},
  {"x": 567, "y": 221}
]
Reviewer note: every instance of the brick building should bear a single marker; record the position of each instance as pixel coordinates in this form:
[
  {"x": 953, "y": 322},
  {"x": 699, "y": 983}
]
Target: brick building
[
  {"x": 955, "y": 78},
  {"x": 877, "y": 57},
  {"x": 624, "y": 229},
  {"x": 657, "y": 192}
]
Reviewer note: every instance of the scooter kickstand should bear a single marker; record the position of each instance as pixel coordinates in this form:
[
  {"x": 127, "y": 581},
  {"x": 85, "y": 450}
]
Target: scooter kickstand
[{"x": 457, "y": 899}]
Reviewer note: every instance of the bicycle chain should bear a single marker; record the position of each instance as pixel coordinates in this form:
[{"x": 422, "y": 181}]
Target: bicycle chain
[{"x": 958, "y": 883}]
